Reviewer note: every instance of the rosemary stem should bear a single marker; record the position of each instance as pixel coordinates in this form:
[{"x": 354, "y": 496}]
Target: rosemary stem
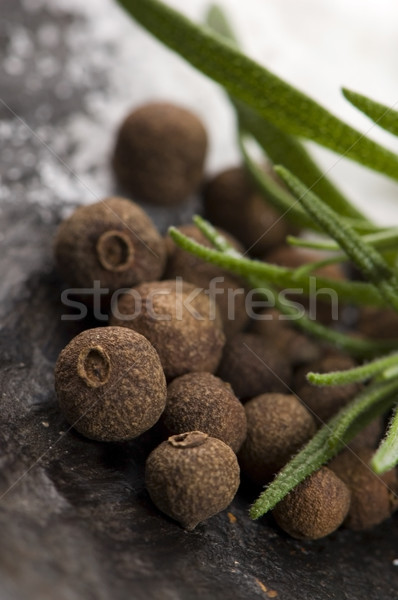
[{"x": 361, "y": 373}]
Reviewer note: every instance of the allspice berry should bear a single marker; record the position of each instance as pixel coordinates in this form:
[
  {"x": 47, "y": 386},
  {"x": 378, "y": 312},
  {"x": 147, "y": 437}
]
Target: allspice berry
[
  {"x": 277, "y": 427},
  {"x": 373, "y": 497},
  {"x": 113, "y": 242},
  {"x": 192, "y": 477},
  {"x": 160, "y": 152},
  {"x": 315, "y": 508},
  {"x": 253, "y": 366},
  {"x": 294, "y": 257},
  {"x": 378, "y": 323},
  {"x": 232, "y": 202},
  {"x": 227, "y": 290},
  {"x": 181, "y": 322},
  {"x": 369, "y": 436},
  {"x": 324, "y": 402},
  {"x": 110, "y": 384},
  {"x": 201, "y": 401},
  {"x": 278, "y": 332},
  {"x": 321, "y": 307}
]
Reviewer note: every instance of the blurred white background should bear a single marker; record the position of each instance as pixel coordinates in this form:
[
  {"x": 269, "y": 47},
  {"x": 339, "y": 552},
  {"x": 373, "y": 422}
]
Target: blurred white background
[{"x": 316, "y": 45}]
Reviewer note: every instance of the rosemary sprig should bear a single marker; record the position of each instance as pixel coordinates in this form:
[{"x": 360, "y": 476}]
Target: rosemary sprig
[
  {"x": 384, "y": 116},
  {"x": 371, "y": 263},
  {"x": 278, "y": 102},
  {"x": 279, "y": 146},
  {"x": 290, "y": 208},
  {"x": 386, "y": 456},
  {"x": 282, "y": 148},
  {"x": 275, "y": 114},
  {"x": 313, "y": 266},
  {"x": 373, "y": 401},
  {"x": 333, "y": 436},
  {"x": 386, "y": 239},
  {"x": 282, "y": 277},
  {"x": 355, "y": 346},
  {"x": 356, "y": 374},
  {"x": 279, "y": 197}
]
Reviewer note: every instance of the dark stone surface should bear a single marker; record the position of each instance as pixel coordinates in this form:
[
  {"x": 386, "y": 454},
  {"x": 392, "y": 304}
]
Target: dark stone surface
[{"x": 75, "y": 520}]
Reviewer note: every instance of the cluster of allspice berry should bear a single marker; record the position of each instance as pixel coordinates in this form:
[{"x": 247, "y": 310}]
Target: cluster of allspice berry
[{"x": 222, "y": 381}]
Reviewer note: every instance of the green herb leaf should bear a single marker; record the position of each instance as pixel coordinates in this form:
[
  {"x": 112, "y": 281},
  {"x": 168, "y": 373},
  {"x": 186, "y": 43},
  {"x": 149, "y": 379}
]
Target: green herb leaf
[
  {"x": 386, "y": 456},
  {"x": 282, "y": 277},
  {"x": 285, "y": 202},
  {"x": 372, "y": 393},
  {"x": 371, "y": 263},
  {"x": 355, "y": 346},
  {"x": 283, "y": 148},
  {"x": 279, "y": 146},
  {"x": 362, "y": 373},
  {"x": 381, "y": 240},
  {"x": 361, "y": 348},
  {"x": 384, "y": 116},
  {"x": 217, "y": 20},
  {"x": 279, "y": 197},
  {"x": 274, "y": 99},
  {"x": 351, "y": 419},
  {"x": 319, "y": 264},
  {"x": 357, "y": 414}
]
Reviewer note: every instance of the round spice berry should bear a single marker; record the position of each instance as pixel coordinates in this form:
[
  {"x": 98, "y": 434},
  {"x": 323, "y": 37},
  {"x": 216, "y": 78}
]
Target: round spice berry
[
  {"x": 369, "y": 436},
  {"x": 294, "y": 257},
  {"x": 326, "y": 401},
  {"x": 160, "y": 152},
  {"x": 228, "y": 291},
  {"x": 192, "y": 477},
  {"x": 373, "y": 497},
  {"x": 113, "y": 242},
  {"x": 110, "y": 384},
  {"x": 315, "y": 508},
  {"x": 252, "y": 366},
  {"x": 277, "y": 426},
  {"x": 200, "y": 401},
  {"x": 278, "y": 332},
  {"x": 377, "y": 323},
  {"x": 231, "y": 202},
  {"x": 323, "y": 308},
  {"x": 181, "y": 322}
]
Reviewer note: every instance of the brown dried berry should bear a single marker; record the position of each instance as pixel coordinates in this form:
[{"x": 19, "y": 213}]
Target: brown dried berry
[
  {"x": 231, "y": 202},
  {"x": 192, "y": 477},
  {"x": 200, "y": 401},
  {"x": 229, "y": 291},
  {"x": 110, "y": 384},
  {"x": 113, "y": 242},
  {"x": 181, "y": 322},
  {"x": 294, "y": 257},
  {"x": 315, "y": 508},
  {"x": 322, "y": 305},
  {"x": 160, "y": 152},
  {"x": 369, "y": 436},
  {"x": 277, "y": 426},
  {"x": 324, "y": 402},
  {"x": 278, "y": 332},
  {"x": 381, "y": 323},
  {"x": 373, "y": 497},
  {"x": 253, "y": 367}
]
